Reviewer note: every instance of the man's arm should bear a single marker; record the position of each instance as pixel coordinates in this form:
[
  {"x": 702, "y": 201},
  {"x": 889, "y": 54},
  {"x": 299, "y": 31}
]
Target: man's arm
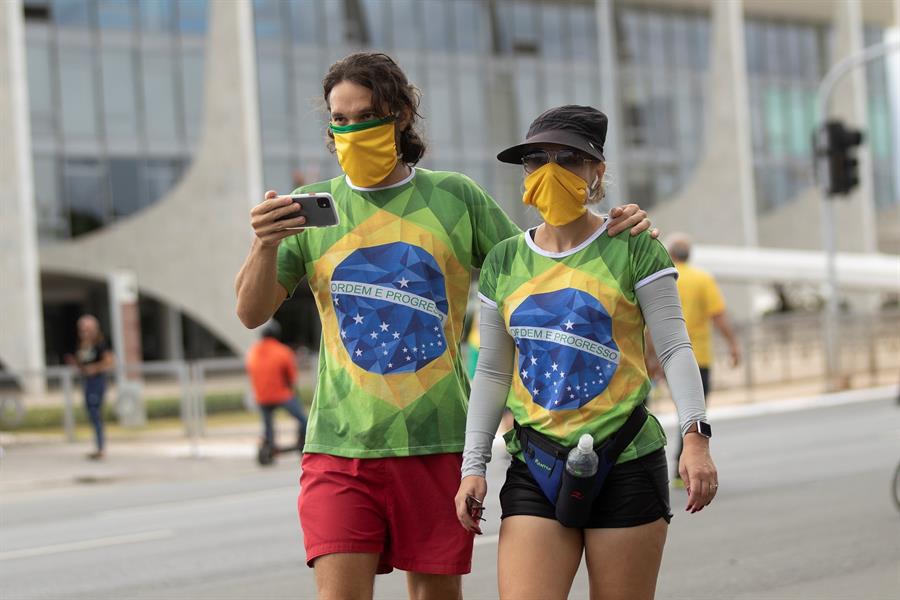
[
  {"x": 724, "y": 326},
  {"x": 258, "y": 292}
]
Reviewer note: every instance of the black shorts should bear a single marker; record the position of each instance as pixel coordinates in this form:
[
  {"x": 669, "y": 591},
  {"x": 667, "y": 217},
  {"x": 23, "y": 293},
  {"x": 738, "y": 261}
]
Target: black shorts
[{"x": 634, "y": 493}]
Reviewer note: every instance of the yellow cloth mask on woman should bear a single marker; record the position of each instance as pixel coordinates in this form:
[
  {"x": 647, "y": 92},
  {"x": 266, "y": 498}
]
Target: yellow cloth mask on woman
[
  {"x": 557, "y": 193},
  {"x": 366, "y": 151}
]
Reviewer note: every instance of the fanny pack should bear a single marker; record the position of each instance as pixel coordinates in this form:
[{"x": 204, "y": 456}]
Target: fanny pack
[{"x": 546, "y": 459}]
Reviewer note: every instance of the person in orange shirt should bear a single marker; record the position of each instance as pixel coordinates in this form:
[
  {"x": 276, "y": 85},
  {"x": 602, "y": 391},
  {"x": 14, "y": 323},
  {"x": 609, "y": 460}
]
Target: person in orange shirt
[
  {"x": 703, "y": 307},
  {"x": 272, "y": 368}
]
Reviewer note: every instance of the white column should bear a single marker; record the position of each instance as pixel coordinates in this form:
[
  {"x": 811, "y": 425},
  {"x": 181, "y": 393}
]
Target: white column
[
  {"x": 246, "y": 42},
  {"x": 609, "y": 96},
  {"x": 21, "y": 330},
  {"x": 734, "y": 25}
]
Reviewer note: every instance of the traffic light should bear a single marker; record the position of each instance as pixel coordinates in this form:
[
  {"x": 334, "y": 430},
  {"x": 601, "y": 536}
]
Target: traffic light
[{"x": 837, "y": 147}]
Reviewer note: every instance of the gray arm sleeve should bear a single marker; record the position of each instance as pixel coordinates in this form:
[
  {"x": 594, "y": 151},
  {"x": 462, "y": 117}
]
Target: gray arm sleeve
[
  {"x": 662, "y": 312},
  {"x": 493, "y": 376}
]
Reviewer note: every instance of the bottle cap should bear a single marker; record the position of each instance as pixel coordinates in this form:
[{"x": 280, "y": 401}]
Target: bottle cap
[{"x": 586, "y": 443}]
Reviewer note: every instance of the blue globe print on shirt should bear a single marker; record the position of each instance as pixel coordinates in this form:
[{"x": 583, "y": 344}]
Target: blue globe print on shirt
[
  {"x": 566, "y": 352},
  {"x": 391, "y": 304}
]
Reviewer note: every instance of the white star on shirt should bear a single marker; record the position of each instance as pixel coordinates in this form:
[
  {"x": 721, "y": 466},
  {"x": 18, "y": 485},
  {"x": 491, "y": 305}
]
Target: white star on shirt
[
  {"x": 358, "y": 319},
  {"x": 404, "y": 282},
  {"x": 337, "y": 301},
  {"x": 358, "y": 352},
  {"x": 553, "y": 366},
  {"x": 390, "y": 365},
  {"x": 396, "y": 335},
  {"x": 547, "y": 374},
  {"x": 533, "y": 360},
  {"x": 568, "y": 324},
  {"x": 384, "y": 326},
  {"x": 440, "y": 343},
  {"x": 562, "y": 374},
  {"x": 373, "y": 335},
  {"x": 436, "y": 328},
  {"x": 571, "y": 395},
  {"x": 343, "y": 333},
  {"x": 524, "y": 374}
]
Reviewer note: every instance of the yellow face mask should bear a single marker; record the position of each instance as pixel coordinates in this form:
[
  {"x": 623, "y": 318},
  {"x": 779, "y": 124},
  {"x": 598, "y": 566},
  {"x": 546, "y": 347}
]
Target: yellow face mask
[
  {"x": 558, "y": 194},
  {"x": 366, "y": 151}
]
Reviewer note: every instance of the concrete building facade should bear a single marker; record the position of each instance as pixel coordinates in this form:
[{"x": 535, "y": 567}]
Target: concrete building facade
[{"x": 142, "y": 132}]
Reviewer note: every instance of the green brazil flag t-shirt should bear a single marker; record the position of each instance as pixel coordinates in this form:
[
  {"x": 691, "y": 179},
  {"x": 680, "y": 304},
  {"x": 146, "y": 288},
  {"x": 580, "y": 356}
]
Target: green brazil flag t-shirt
[
  {"x": 391, "y": 283},
  {"x": 578, "y": 328}
]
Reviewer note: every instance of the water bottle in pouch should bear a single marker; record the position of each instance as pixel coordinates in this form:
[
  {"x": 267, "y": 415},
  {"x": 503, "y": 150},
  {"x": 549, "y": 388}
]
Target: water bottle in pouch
[{"x": 576, "y": 495}]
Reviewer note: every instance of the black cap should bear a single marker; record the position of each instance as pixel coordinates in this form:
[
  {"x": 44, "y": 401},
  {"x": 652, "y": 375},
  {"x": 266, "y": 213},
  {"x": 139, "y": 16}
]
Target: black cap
[{"x": 579, "y": 127}]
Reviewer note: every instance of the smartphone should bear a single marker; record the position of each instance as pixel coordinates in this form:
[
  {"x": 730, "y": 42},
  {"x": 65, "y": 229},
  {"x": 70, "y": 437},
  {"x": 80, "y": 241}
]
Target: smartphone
[{"x": 317, "y": 207}]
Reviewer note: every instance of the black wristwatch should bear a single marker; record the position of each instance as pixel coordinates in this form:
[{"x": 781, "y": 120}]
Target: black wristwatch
[{"x": 701, "y": 427}]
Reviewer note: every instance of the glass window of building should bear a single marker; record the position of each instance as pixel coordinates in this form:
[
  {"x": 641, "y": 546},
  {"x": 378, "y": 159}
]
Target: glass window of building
[
  {"x": 405, "y": 24},
  {"x": 119, "y": 97},
  {"x": 157, "y": 15},
  {"x": 125, "y": 186},
  {"x": 304, "y": 19},
  {"x": 193, "y": 64},
  {"x": 435, "y": 17},
  {"x": 554, "y": 32},
  {"x": 72, "y": 13},
  {"x": 471, "y": 26},
  {"x": 159, "y": 93},
  {"x": 583, "y": 32},
  {"x": 784, "y": 64},
  {"x": 192, "y": 16},
  {"x": 78, "y": 86},
  {"x": 49, "y": 203},
  {"x": 274, "y": 94},
  {"x": 158, "y": 176},
  {"x": 269, "y": 20},
  {"x": 115, "y": 14},
  {"x": 662, "y": 75},
  {"x": 85, "y": 185},
  {"x": 374, "y": 18},
  {"x": 40, "y": 88}
]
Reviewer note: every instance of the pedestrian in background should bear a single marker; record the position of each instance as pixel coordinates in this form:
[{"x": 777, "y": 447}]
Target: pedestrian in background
[
  {"x": 272, "y": 368},
  {"x": 704, "y": 307},
  {"x": 94, "y": 360}
]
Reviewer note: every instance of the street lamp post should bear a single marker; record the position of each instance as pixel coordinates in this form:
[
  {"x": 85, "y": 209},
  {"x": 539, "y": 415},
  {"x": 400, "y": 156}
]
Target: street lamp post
[{"x": 832, "y": 354}]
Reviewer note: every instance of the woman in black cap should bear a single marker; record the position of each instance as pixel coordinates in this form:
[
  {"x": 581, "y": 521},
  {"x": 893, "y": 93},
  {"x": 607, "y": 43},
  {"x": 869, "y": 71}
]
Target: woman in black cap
[{"x": 563, "y": 309}]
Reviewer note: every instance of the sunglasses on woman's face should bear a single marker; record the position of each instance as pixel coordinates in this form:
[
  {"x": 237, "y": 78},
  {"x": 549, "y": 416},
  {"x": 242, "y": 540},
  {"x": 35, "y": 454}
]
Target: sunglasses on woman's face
[{"x": 568, "y": 159}]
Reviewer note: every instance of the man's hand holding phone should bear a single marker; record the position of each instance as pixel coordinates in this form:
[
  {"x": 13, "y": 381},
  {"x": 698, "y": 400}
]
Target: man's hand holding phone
[{"x": 275, "y": 218}]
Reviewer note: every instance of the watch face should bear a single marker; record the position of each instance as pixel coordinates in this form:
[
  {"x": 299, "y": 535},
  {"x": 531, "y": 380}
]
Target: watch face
[{"x": 704, "y": 429}]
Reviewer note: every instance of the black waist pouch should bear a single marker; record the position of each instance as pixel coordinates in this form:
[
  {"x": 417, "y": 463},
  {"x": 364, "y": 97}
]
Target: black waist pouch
[{"x": 573, "y": 496}]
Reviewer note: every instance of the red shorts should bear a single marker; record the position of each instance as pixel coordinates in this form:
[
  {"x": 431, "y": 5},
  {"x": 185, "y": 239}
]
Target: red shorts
[{"x": 401, "y": 508}]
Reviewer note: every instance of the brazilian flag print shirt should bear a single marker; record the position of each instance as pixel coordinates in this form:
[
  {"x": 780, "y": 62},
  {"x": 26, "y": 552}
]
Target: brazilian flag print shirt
[
  {"x": 391, "y": 283},
  {"x": 578, "y": 329}
]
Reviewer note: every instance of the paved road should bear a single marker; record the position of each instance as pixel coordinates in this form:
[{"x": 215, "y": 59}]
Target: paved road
[{"x": 803, "y": 512}]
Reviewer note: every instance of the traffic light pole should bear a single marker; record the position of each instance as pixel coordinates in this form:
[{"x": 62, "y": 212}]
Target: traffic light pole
[{"x": 832, "y": 325}]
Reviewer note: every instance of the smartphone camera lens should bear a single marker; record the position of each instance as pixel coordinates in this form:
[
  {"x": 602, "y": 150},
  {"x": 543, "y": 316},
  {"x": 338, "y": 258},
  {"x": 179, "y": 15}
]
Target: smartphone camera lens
[{"x": 323, "y": 202}]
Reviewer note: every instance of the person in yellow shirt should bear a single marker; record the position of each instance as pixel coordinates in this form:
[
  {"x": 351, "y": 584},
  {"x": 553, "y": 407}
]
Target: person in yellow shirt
[{"x": 703, "y": 307}]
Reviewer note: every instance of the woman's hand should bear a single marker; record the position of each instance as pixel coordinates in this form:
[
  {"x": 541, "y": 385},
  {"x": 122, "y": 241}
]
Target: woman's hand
[
  {"x": 264, "y": 219},
  {"x": 475, "y": 487},
  {"x": 697, "y": 470},
  {"x": 629, "y": 215}
]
